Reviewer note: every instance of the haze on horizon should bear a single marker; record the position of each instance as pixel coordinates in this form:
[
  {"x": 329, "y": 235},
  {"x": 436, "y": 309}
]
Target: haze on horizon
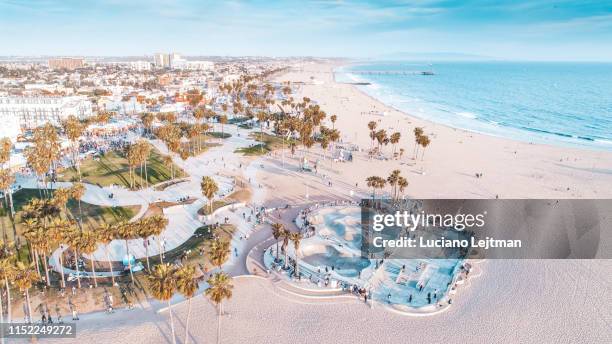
[{"x": 515, "y": 30}]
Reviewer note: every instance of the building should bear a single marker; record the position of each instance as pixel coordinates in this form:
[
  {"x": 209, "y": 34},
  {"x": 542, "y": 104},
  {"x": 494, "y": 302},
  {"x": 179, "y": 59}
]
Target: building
[
  {"x": 139, "y": 65},
  {"x": 193, "y": 65},
  {"x": 66, "y": 63},
  {"x": 161, "y": 60},
  {"x": 31, "y": 112}
]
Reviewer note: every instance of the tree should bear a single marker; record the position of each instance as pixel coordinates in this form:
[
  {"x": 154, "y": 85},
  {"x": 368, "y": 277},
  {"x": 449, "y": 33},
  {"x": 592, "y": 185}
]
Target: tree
[
  {"x": 277, "y": 231},
  {"x": 372, "y": 126},
  {"x": 73, "y": 129},
  {"x": 333, "y": 119},
  {"x": 77, "y": 191},
  {"x": 219, "y": 290},
  {"x": 296, "y": 238},
  {"x": 375, "y": 182},
  {"x": 424, "y": 142},
  {"x": 394, "y": 139},
  {"x": 219, "y": 252},
  {"x": 418, "y": 132},
  {"x": 162, "y": 285},
  {"x": 222, "y": 120},
  {"x": 209, "y": 188},
  {"x": 106, "y": 234},
  {"x": 88, "y": 244},
  {"x": 126, "y": 231},
  {"x": 24, "y": 277},
  {"x": 284, "y": 247},
  {"x": 7, "y": 272},
  {"x": 187, "y": 285}
]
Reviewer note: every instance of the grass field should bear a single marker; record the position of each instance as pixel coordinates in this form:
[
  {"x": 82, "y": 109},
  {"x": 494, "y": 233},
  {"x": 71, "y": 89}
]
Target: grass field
[
  {"x": 112, "y": 168},
  {"x": 93, "y": 215},
  {"x": 268, "y": 144}
]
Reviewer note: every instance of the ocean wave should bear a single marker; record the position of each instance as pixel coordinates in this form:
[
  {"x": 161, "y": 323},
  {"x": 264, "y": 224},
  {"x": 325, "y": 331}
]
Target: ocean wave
[{"x": 467, "y": 114}]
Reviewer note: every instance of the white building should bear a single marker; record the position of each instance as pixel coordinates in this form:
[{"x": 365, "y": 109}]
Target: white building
[
  {"x": 30, "y": 112},
  {"x": 139, "y": 65},
  {"x": 161, "y": 60}
]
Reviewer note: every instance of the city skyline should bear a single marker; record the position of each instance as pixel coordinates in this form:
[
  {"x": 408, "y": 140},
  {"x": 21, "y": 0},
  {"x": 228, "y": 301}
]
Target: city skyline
[{"x": 524, "y": 30}]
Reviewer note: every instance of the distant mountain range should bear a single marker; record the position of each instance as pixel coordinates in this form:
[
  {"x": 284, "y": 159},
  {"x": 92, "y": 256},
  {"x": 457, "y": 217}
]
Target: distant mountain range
[{"x": 435, "y": 57}]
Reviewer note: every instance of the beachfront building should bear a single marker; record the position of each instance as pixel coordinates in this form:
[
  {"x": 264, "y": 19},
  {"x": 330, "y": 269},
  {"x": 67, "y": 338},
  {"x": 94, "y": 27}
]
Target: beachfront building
[{"x": 30, "y": 112}]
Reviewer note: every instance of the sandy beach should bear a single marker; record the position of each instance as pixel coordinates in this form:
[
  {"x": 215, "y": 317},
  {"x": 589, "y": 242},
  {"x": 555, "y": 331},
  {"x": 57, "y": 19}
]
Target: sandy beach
[
  {"x": 510, "y": 169},
  {"x": 528, "y": 301}
]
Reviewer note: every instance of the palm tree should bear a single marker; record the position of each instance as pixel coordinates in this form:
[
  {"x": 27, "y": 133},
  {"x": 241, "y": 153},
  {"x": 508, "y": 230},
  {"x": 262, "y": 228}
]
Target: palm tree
[
  {"x": 209, "y": 188},
  {"x": 88, "y": 244},
  {"x": 6, "y": 180},
  {"x": 424, "y": 142},
  {"x": 7, "y": 272},
  {"x": 394, "y": 139},
  {"x": 333, "y": 119},
  {"x": 372, "y": 126},
  {"x": 73, "y": 129},
  {"x": 126, "y": 231},
  {"x": 219, "y": 252},
  {"x": 277, "y": 231},
  {"x": 24, "y": 277},
  {"x": 143, "y": 230},
  {"x": 74, "y": 240},
  {"x": 296, "y": 238},
  {"x": 106, "y": 234},
  {"x": 219, "y": 290},
  {"x": 222, "y": 120},
  {"x": 59, "y": 231},
  {"x": 187, "y": 285},
  {"x": 162, "y": 284},
  {"x": 77, "y": 191},
  {"x": 418, "y": 132},
  {"x": 285, "y": 236}
]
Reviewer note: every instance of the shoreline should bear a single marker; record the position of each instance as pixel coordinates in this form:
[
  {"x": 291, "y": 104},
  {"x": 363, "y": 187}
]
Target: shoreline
[
  {"x": 511, "y": 168},
  {"x": 547, "y": 138}
]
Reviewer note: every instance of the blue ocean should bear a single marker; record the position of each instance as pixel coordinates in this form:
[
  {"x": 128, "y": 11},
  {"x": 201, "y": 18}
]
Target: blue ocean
[{"x": 553, "y": 103}]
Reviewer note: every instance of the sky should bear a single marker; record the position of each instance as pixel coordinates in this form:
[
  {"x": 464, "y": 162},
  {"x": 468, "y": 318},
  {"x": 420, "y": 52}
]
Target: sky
[{"x": 514, "y": 30}]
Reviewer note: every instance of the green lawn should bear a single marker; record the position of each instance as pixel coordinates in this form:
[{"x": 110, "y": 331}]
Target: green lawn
[
  {"x": 112, "y": 168},
  {"x": 202, "y": 237},
  {"x": 205, "y": 210},
  {"x": 93, "y": 215},
  {"x": 268, "y": 144}
]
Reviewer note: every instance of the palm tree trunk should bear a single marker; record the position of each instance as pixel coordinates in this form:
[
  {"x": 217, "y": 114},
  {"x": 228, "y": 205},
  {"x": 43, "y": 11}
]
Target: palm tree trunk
[
  {"x": 80, "y": 215},
  {"x": 46, "y": 269},
  {"x": 127, "y": 249},
  {"x": 37, "y": 264},
  {"x": 110, "y": 265},
  {"x": 29, "y": 305},
  {"x": 61, "y": 262},
  {"x": 146, "y": 173},
  {"x": 219, "y": 323},
  {"x": 1, "y": 315},
  {"x": 8, "y": 299},
  {"x": 286, "y": 259},
  {"x": 159, "y": 248},
  {"x": 76, "y": 264},
  {"x": 171, "y": 322},
  {"x": 147, "y": 252},
  {"x": 93, "y": 270},
  {"x": 187, "y": 322}
]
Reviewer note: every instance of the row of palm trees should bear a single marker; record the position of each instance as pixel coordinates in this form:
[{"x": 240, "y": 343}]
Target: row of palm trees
[
  {"x": 166, "y": 279},
  {"x": 279, "y": 232},
  {"x": 380, "y": 137},
  {"x": 395, "y": 180}
]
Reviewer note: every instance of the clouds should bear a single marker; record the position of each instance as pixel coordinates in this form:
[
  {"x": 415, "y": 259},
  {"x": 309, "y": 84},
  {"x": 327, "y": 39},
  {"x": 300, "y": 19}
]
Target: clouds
[{"x": 329, "y": 28}]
